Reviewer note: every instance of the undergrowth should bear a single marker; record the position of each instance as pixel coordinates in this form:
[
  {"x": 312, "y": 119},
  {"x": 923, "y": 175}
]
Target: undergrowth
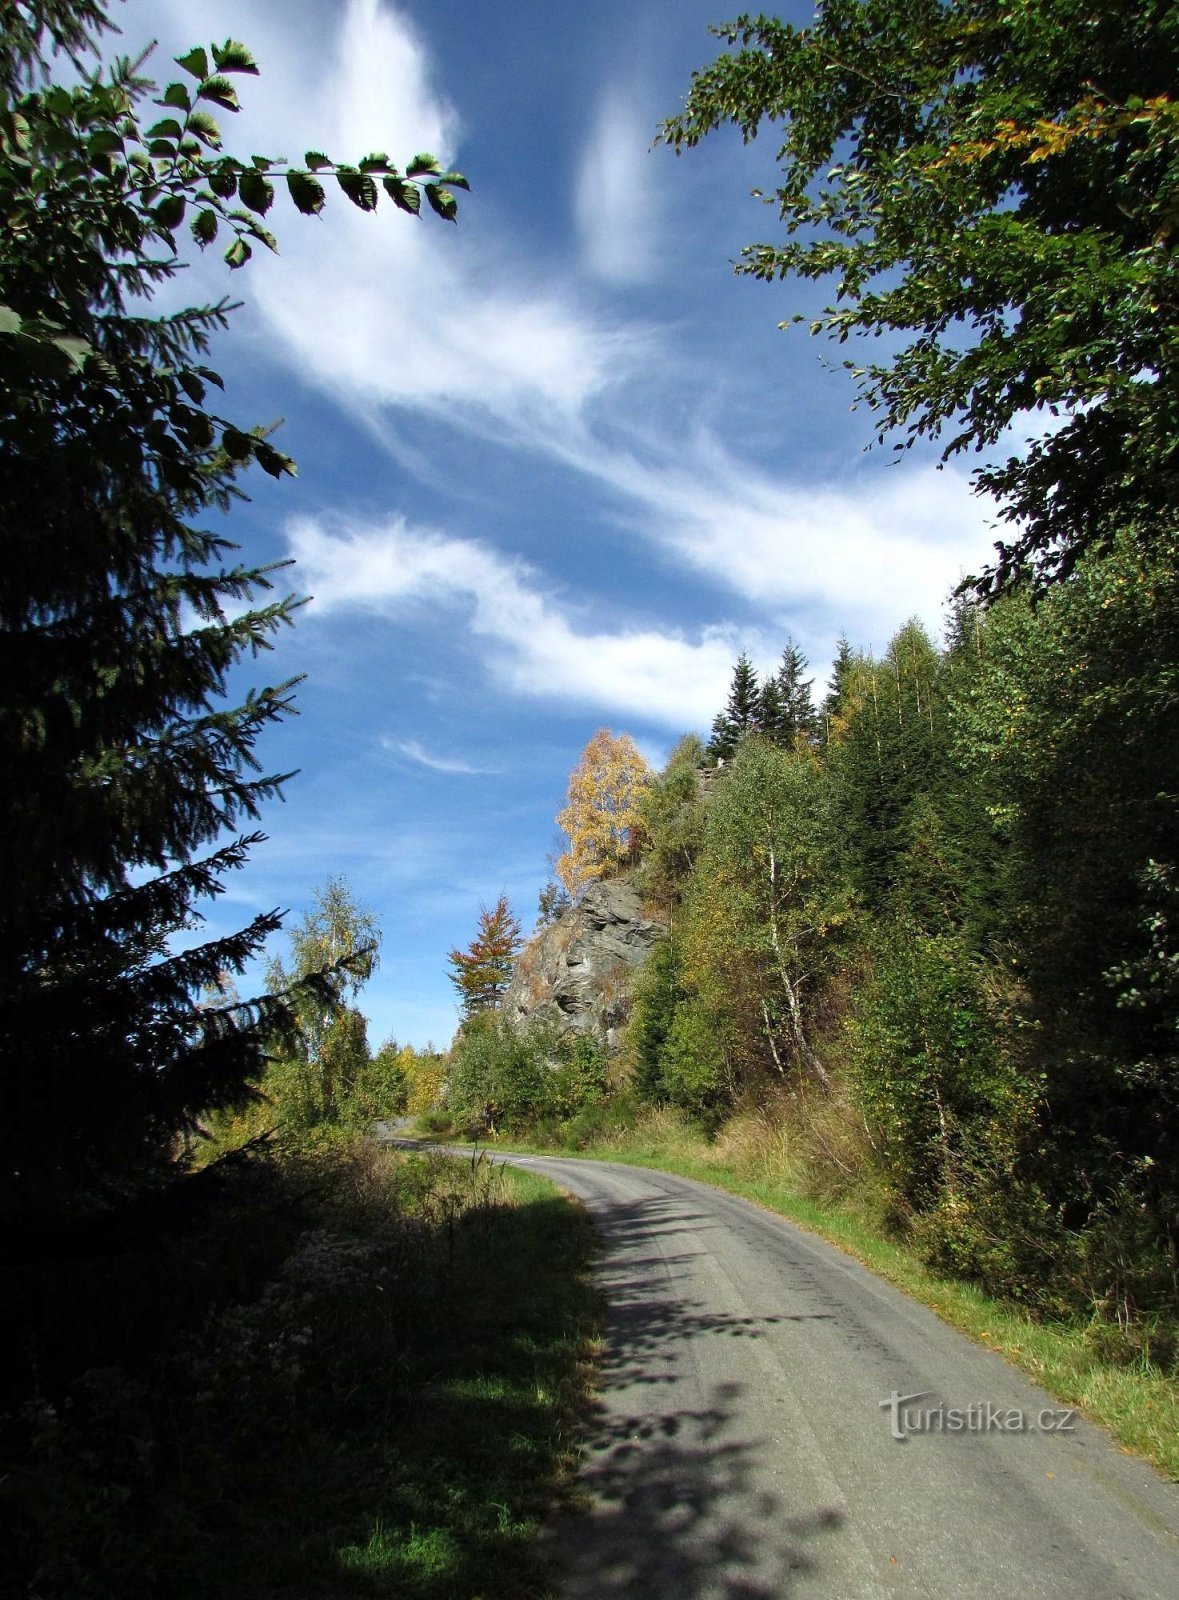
[{"x": 356, "y": 1375}]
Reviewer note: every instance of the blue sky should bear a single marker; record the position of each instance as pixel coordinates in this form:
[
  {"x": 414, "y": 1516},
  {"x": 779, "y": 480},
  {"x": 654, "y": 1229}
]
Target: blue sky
[{"x": 557, "y": 465}]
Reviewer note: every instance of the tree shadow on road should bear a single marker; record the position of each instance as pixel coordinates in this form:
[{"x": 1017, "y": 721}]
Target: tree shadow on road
[{"x": 677, "y": 1497}]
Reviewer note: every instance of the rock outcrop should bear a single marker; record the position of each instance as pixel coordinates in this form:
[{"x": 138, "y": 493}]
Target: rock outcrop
[{"x": 576, "y": 972}]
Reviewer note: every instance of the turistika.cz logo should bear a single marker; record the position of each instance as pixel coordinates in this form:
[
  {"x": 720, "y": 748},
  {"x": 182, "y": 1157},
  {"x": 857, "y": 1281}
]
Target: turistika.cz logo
[{"x": 907, "y": 1417}]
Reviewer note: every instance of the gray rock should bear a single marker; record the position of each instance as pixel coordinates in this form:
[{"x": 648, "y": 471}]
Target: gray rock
[{"x": 576, "y": 973}]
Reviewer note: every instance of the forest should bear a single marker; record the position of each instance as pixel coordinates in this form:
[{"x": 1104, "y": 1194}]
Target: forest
[
  {"x": 926, "y": 920},
  {"x": 919, "y": 920}
]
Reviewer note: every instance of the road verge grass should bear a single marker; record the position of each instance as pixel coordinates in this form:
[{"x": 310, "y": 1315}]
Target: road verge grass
[{"x": 1137, "y": 1403}]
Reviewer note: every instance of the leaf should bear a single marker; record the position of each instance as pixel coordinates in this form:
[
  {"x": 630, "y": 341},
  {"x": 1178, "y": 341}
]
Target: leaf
[
  {"x": 205, "y": 126},
  {"x": 223, "y": 179},
  {"x": 16, "y": 130},
  {"x": 75, "y": 350},
  {"x": 273, "y": 461},
  {"x": 104, "y": 142},
  {"x": 306, "y": 192},
  {"x": 176, "y": 95},
  {"x": 238, "y": 253},
  {"x": 233, "y": 56},
  {"x": 255, "y": 191},
  {"x": 168, "y": 128},
  {"x": 264, "y": 236},
  {"x": 238, "y": 446},
  {"x": 443, "y": 202},
  {"x": 316, "y": 159},
  {"x": 170, "y": 211},
  {"x": 212, "y": 377},
  {"x": 220, "y": 91},
  {"x": 456, "y": 178},
  {"x": 404, "y": 195},
  {"x": 192, "y": 385},
  {"x": 196, "y": 63},
  {"x": 375, "y": 163},
  {"x": 359, "y": 188},
  {"x": 10, "y": 320},
  {"x": 204, "y": 227},
  {"x": 422, "y": 164}
]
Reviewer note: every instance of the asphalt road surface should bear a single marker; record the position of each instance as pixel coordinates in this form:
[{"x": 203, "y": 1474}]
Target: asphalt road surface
[{"x": 740, "y": 1448}]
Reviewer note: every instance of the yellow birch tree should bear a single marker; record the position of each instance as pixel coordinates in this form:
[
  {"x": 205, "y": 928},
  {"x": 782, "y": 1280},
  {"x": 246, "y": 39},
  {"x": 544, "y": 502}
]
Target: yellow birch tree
[{"x": 602, "y": 817}]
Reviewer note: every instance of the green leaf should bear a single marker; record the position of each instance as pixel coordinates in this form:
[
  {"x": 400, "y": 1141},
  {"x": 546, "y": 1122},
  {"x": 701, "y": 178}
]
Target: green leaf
[
  {"x": 176, "y": 95},
  {"x": 220, "y": 91},
  {"x": 104, "y": 142},
  {"x": 316, "y": 159},
  {"x": 422, "y": 164},
  {"x": 196, "y": 62},
  {"x": 455, "y": 178},
  {"x": 192, "y": 385},
  {"x": 170, "y": 211},
  {"x": 359, "y": 188},
  {"x": 212, "y": 377},
  {"x": 255, "y": 191},
  {"x": 264, "y": 236},
  {"x": 443, "y": 202},
  {"x": 75, "y": 350},
  {"x": 16, "y": 130},
  {"x": 205, "y": 126},
  {"x": 223, "y": 179},
  {"x": 238, "y": 446},
  {"x": 162, "y": 149},
  {"x": 10, "y": 320},
  {"x": 273, "y": 461},
  {"x": 404, "y": 195},
  {"x": 306, "y": 192},
  {"x": 238, "y": 253},
  {"x": 375, "y": 163},
  {"x": 233, "y": 56},
  {"x": 204, "y": 227},
  {"x": 168, "y": 128}
]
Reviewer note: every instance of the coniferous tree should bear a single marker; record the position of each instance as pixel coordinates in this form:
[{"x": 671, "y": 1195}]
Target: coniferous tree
[
  {"x": 836, "y": 702},
  {"x": 121, "y": 616},
  {"x": 740, "y": 715},
  {"x": 482, "y": 971},
  {"x": 794, "y": 723}
]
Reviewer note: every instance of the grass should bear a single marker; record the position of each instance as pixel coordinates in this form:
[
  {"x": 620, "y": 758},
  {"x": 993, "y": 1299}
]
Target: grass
[
  {"x": 392, "y": 1415},
  {"x": 1137, "y": 1403}
]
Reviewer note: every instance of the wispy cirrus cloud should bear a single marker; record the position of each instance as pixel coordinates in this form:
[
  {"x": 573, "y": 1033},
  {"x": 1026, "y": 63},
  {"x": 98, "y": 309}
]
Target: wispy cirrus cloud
[
  {"x": 414, "y": 750},
  {"x": 531, "y": 641},
  {"x": 614, "y": 202}
]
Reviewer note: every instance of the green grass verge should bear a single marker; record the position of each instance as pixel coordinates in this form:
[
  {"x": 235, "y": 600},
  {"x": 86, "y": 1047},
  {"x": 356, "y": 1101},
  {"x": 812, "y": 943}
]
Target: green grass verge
[{"x": 1137, "y": 1404}]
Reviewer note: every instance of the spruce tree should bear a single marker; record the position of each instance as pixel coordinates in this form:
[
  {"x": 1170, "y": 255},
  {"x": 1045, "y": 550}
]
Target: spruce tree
[
  {"x": 740, "y": 715},
  {"x": 132, "y": 783},
  {"x": 795, "y": 722},
  {"x": 836, "y": 702}
]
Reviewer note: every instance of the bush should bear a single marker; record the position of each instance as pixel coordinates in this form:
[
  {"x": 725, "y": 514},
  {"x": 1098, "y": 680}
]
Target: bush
[{"x": 504, "y": 1076}]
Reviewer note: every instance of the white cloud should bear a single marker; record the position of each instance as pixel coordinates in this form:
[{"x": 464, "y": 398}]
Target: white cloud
[
  {"x": 614, "y": 202},
  {"x": 415, "y": 751},
  {"x": 536, "y": 648}
]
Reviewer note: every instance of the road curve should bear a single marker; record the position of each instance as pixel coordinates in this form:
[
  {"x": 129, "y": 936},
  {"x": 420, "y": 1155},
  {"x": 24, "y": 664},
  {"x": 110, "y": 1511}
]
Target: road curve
[{"x": 739, "y": 1447}]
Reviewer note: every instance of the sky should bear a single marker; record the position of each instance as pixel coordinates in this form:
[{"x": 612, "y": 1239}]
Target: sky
[{"x": 558, "y": 465}]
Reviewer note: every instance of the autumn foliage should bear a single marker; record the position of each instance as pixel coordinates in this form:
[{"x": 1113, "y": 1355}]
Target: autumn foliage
[
  {"x": 481, "y": 972},
  {"x": 602, "y": 818}
]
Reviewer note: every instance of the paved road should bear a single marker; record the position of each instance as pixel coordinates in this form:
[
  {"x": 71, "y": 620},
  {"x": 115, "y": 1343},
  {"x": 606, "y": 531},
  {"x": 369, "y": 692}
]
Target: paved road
[{"x": 740, "y": 1450}]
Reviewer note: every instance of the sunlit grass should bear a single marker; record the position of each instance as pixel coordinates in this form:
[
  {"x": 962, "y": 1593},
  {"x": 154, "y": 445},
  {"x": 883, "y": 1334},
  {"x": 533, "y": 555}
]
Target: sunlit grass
[{"x": 1138, "y": 1404}]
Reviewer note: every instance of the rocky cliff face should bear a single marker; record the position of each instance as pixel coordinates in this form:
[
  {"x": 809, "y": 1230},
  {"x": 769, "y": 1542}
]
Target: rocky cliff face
[{"x": 576, "y": 972}]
